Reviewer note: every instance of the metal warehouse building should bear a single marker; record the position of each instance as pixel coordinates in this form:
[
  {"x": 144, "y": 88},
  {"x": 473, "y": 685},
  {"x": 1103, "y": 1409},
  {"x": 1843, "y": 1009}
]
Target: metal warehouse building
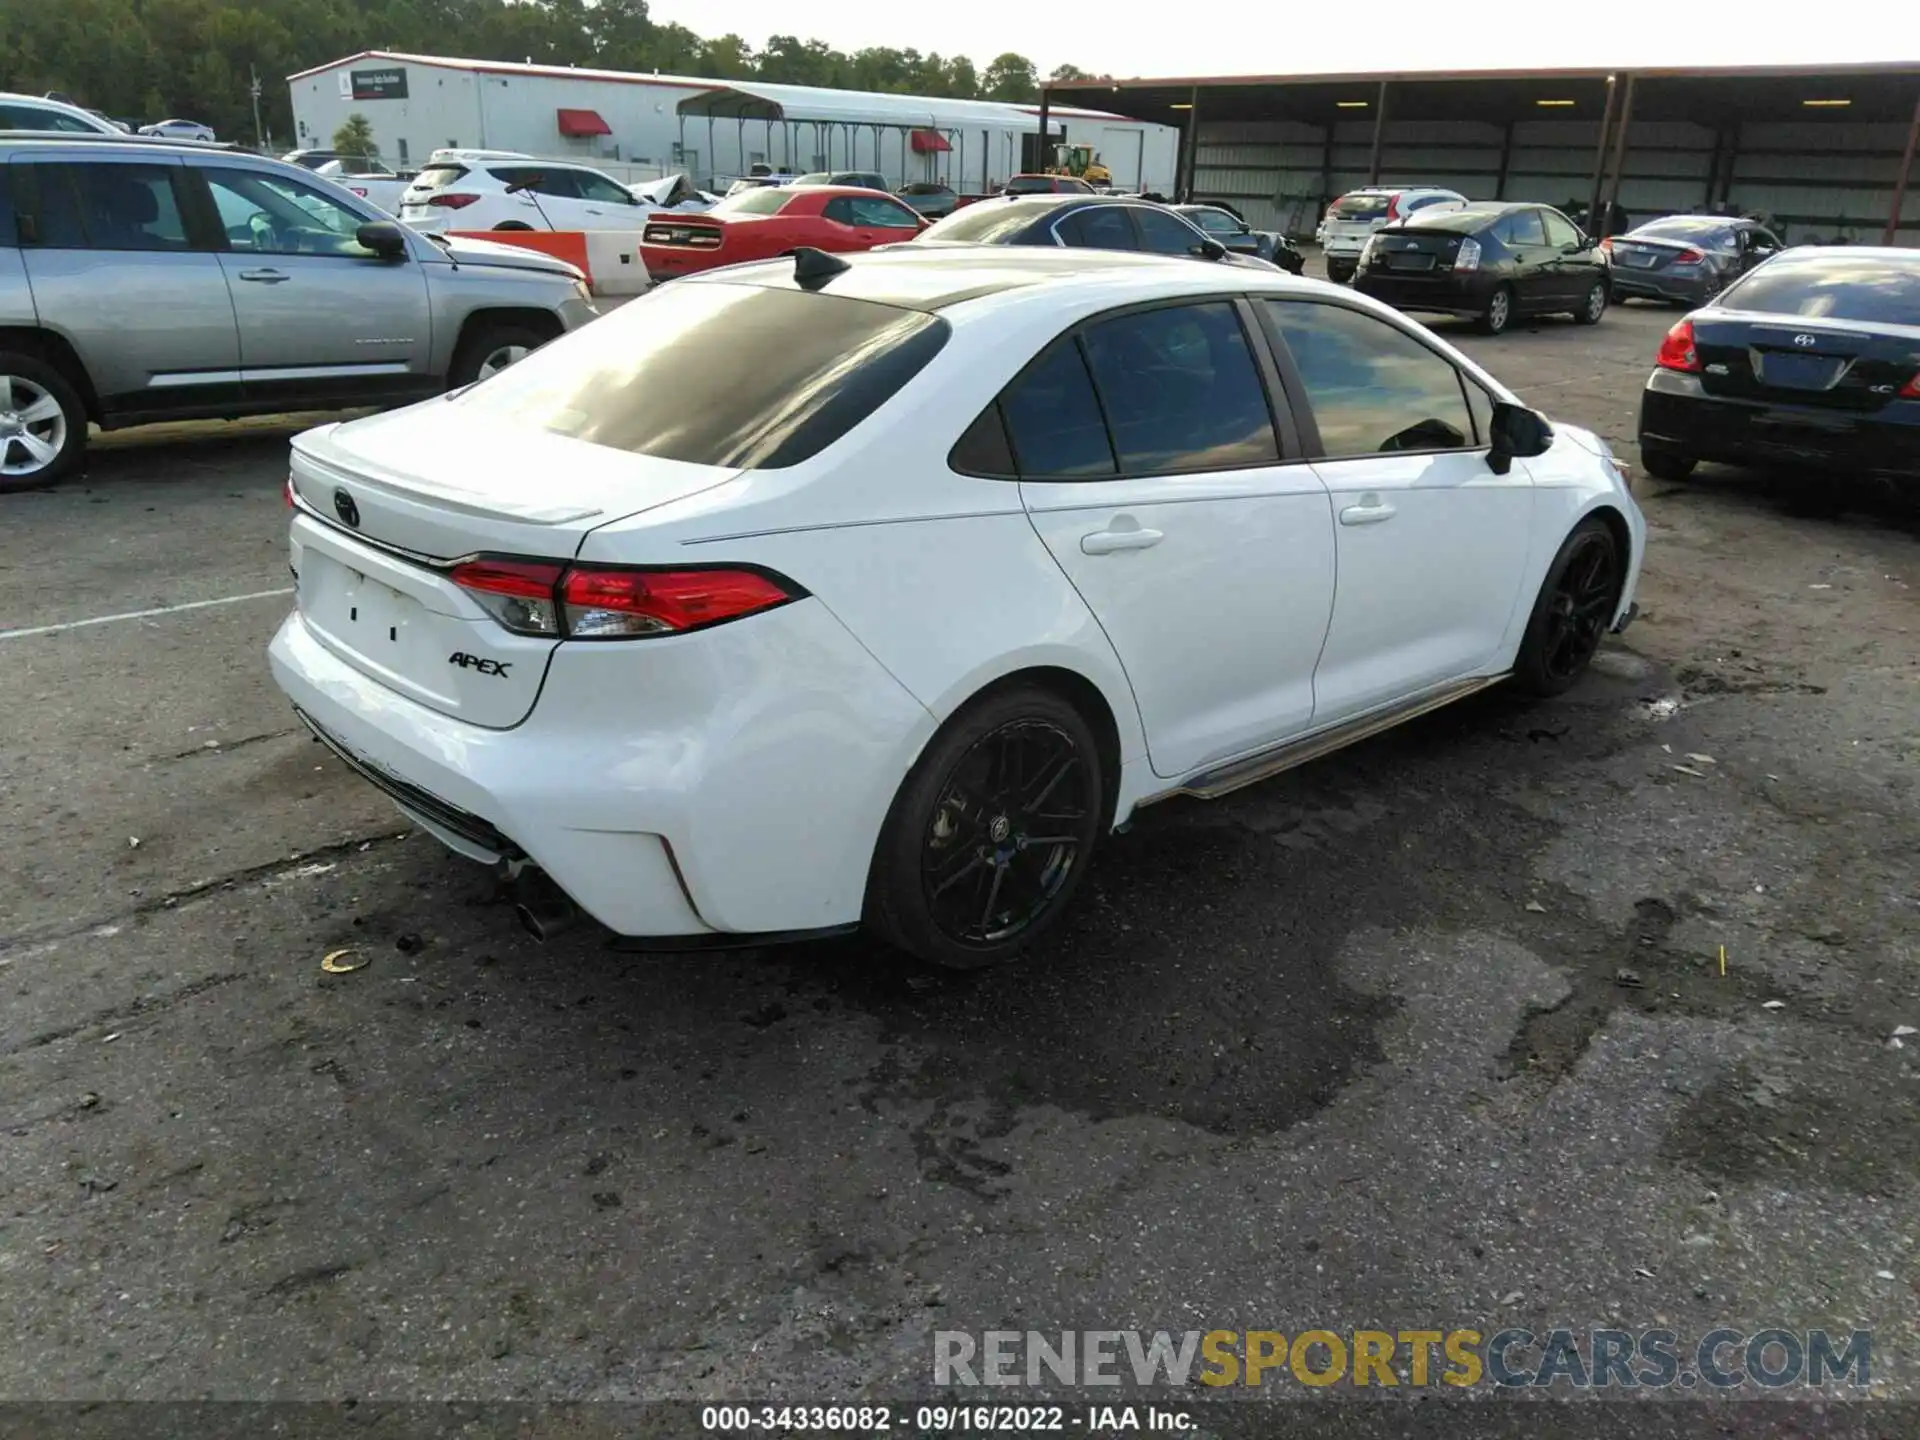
[
  {"x": 647, "y": 125},
  {"x": 1828, "y": 152}
]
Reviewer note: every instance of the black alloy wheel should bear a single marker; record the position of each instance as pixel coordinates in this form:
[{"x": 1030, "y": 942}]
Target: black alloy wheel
[
  {"x": 1006, "y": 832},
  {"x": 1573, "y": 612},
  {"x": 991, "y": 832}
]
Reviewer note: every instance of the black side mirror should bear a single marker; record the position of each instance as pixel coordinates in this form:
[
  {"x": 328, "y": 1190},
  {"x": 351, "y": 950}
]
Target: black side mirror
[
  {"x": 383, "y": 237},
  {"x": 1516, "y": 431},
  {"x": 1210, "y": 250}
]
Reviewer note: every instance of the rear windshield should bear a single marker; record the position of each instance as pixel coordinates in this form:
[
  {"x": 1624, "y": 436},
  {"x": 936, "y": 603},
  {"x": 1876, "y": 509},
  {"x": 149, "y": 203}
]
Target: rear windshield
[
  {"x": 1360, "y": 207},
  {"x": 663, "y": 376},
  {"x": 984, "y": 224},
  {"x": 1700, "y": 230},
  {"x": 1030, "y": 185},
  {"x": 438, "y": 177},
  {"x": 766, "y": 200},
  {"x": 1832, "y": 287},
  {"x": 1465, "y": 222}
]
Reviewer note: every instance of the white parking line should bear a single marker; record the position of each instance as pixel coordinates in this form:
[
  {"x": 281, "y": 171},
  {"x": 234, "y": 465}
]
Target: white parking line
[{"x": 144, "y": 614}]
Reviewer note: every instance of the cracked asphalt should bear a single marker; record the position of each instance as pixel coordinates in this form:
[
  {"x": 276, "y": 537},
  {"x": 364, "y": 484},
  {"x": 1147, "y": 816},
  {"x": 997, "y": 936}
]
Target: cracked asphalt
[{"x": 1433, "y": 1033}]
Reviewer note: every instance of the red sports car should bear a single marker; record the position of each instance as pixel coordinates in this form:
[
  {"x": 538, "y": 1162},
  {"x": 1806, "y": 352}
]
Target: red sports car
[{"x": 773, "y": 220}]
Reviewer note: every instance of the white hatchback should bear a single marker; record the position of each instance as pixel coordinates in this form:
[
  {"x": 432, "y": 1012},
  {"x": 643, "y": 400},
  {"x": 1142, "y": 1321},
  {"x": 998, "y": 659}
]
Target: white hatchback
[
  {"x": 500, "y": 190},
  {"x": 1352, "y": 220},
  {"x": 880, "y": 587}
]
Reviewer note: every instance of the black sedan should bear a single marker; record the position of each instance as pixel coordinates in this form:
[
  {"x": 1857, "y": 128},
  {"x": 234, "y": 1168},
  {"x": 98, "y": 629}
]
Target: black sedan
[
  {"x": 1241, "y": 238},
  {"x": 1687, "y": 258},
  {"x": 1093, "y": 222},
  {"x": 930, "y": 198},
  {"x": 1809, "y": 364},
  {"x": 1490, "y": 262}
]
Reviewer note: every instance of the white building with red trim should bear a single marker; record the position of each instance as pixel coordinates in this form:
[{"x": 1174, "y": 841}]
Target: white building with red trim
[{"x": 712, "y": 129}]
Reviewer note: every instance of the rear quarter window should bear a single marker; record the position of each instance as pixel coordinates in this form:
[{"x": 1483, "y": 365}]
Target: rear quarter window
[{"x": 663, "y": 376}]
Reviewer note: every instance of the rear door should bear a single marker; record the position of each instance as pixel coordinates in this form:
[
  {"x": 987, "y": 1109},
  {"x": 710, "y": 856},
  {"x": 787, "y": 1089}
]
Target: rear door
[
  {"x": 1536, "y": 277},
  {"x": 1200, "y": 541},
  {"x": 321, "y": 318},
  {"x": 1432, "y": 543},
  {"x": 118, "y": 268}
]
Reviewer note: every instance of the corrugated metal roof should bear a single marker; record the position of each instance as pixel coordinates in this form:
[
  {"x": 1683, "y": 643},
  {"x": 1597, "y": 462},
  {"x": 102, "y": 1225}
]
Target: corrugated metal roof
[{"x": 757, "y": 101}]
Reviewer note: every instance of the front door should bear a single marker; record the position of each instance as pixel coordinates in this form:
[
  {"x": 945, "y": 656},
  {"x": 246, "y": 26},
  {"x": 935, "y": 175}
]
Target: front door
[
  {"x": 1577, "y": 264},
  {"x": 322, "y": 319},
  {"x": 1432, "y": 544},
  {"x": 111, "y": 259},
  {"x": 604, "y": 204},
  {"x": 1204, "y": 551}
]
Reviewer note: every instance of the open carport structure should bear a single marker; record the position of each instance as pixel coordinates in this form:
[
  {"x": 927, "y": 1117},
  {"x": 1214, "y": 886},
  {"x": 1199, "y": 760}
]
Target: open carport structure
[
  {"x": 968, "y": 144},
  {"x": 1827, "y": 151}
]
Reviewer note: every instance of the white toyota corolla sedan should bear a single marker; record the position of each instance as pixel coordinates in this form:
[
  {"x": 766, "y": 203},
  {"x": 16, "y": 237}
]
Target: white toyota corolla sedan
[{"x": 878, "y": 588}]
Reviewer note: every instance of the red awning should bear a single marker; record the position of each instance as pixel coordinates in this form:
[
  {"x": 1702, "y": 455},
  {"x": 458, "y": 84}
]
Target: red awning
[
  {"x": 583, "y": 122},
  {"x": 929, "y": 142}
]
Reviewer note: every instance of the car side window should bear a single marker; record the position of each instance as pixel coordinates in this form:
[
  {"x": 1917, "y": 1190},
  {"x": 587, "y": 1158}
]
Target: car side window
[
  {"x": 100, "y": 207},
  {"x": 1216, "y": 222},
  {"x": 266, "y": 214},
  {"x": 883, "y": 214},
  {"x": 1560, "y": 231},
  {"x": 560, "y": 183},
  {"x": 1181, "y": 389},
  {"x": 1164, "y": 234},
  {"x": 1053, "y": 419},
  {"x": 1522, "y": 227},
  {"x": 1374, "y": 389},
  {"x": 839, "y": 209},
  {"x": 32, "y": 117},
  {"x": 600, "y": 189},
  {"x": 1099, "y": 227}
]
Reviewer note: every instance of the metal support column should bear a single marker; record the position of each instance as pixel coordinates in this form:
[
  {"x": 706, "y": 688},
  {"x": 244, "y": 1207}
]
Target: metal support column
[
  {"x": 1600, "y": 157},
  {"x": 1045, "y": 147},
  {"x": 1190, "y": 151},
  {"x": 1619, "y": 154},
  {"x": 1900, "y": 180},
  {"x": 1379, "y": 132},
  {"x": 1506, "y": 160}
]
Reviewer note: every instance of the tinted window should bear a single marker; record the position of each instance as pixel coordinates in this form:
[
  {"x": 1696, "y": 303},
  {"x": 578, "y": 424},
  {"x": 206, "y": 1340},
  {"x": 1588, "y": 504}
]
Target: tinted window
[
  {"x": 1215, "y": 222},
  {"x": 1419, "y": 202},
  {"x": 1359, "y": 207},
  {"x": 6, "y": 207},
  {"x": 1560, "y": 231},
  {"x": 926, "y": 187},
  {"x": 32, "y": 117},
  {"x": 662, "y": 375},
  {"x": 1522, "y": 227},
  {"x": 1165, "y": 234},
  {"x": 765, "y": 200},
  {"x": 1831, "y": 287},
  {"x": 1099, "y": 227},
  {"x": 984, "y": 449},
  {"x": 1054, "y": 421},
  {"x": 1030, "y": 185},
  {"x": 273, "y": 215},
  {"x": 1373, "y": 387},
  {"x": 600, "y": 189},
  {"x": 1181, "y": 389},
  {"x": 1469, "y": 221},
  {"x": 102, "y": 207},
  {"x": 882, "y": 214},
  {"x": 1480, "y": 403},
  {"x": 438, "y": 177},
  {"x": 989, "y": 223},
  {"x": 838, "y": 209},
  {"x": 1698, "y": 229}
]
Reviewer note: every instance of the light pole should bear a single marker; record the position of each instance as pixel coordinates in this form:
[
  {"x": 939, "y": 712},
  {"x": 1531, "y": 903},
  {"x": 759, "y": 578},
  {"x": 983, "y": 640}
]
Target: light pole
[{"x": 253, "y": 89}]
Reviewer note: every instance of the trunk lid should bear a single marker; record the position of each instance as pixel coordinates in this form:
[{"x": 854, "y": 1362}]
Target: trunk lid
[
  {"x": 432, "y": 484},
  {"x": 1649, "y": 252},
  {"x": 1855, "y": 367},
  {"x": 1416, "y": 252}
]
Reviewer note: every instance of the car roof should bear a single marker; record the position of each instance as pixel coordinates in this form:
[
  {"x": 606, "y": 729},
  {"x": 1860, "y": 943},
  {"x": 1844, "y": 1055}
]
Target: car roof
[{"x": 142, "y": 144}]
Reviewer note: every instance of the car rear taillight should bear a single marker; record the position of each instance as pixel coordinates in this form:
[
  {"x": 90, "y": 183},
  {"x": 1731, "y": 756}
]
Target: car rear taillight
[
  {"x": 451, "y": 199},
  {"x": 289, "y": 494},
  {"x": 1689, "y": 256},
  {"x": 1910, "y": 390},
  {"x": 617, "y": 604},
  {"x": 1468, "y": 255},
  {"x": 359, "y": 190},
  {"x": 538, "y": 597},
  {"x": 1393, "y": 207},
  {"x": 1677, "y": 352},
  {"x": 517, "y": 593},
  {"x": 1606, "y": 246}
]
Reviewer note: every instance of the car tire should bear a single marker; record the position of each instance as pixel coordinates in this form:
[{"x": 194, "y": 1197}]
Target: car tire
[
  {"x": 489, "y": 350},
  {"x": 1667, "y": 466},
  {"x": 961, "y": 831},
  {"x": 39, "y": 408},
  {"x": 1498, "y": 315},
  {"x": 1573, "y": 611},
  {"x": 1340, "y": 271},
  {"x": 1595, "y": 306}
]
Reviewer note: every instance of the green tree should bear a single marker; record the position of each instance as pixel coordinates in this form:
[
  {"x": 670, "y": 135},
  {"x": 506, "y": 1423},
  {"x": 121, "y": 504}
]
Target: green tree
[
  {"x": 1011, "y": 77},
  {"x": 355, "y": 136},
  {"x": 1062, "y": 74}
]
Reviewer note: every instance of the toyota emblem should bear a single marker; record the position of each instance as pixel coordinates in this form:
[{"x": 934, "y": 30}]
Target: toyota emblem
[
  {"x": 344, "y": 507},
  {"x": 1806, "y": 340}
]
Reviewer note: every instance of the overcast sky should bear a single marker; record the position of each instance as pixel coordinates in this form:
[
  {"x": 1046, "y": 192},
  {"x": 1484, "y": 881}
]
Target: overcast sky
[{"x": 1241, "y": 39}]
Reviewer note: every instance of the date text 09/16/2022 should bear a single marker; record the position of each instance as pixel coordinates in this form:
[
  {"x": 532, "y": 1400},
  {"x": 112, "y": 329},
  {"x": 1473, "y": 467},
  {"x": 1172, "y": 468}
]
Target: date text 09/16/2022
[{"x": 945, "y": 1419}]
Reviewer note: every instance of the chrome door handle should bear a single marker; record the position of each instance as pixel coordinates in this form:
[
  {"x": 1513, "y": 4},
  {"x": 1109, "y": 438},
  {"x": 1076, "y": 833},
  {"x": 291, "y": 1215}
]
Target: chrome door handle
[
  {"x": 265, "y": 277},
  {"x": 1371, "y": 513},
  {"x": 1106, "y": 542}
]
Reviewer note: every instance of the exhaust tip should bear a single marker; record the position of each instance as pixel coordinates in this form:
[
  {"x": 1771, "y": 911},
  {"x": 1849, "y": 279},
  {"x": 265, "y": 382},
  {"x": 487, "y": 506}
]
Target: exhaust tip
[{"x": 543, "y": 909}]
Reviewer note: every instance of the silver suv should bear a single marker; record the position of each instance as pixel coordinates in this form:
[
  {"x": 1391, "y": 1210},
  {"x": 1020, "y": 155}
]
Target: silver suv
[{"x": 145, "y": 280}]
